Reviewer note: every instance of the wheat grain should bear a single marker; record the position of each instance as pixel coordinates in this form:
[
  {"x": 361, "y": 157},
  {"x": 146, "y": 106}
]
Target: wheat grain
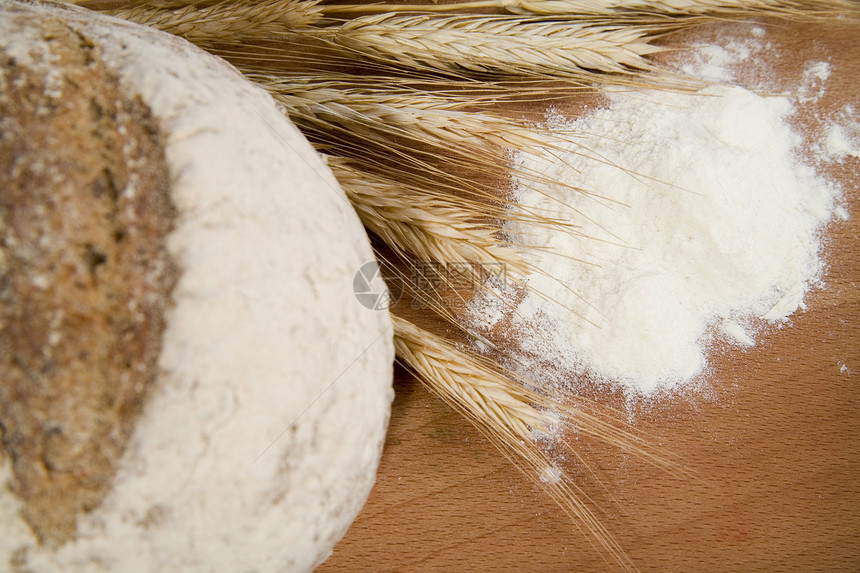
[
  {"x": 225, "y": 21},
  {"x": 497, "y": 44}
]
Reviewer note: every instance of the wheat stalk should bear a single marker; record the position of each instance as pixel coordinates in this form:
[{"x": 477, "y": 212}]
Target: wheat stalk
[
  {"x": 497, "y": 44},
  {"x": 224, "y": 21},
  {"x": 618, "y": 8}
]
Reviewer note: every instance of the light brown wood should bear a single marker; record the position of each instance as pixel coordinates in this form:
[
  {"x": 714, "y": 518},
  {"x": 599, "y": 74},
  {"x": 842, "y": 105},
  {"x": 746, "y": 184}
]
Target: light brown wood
[{"x": 773, "y": 440}]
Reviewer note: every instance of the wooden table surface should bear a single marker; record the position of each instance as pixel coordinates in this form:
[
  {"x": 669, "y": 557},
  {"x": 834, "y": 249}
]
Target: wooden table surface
[{"x": 773, "y": 439}]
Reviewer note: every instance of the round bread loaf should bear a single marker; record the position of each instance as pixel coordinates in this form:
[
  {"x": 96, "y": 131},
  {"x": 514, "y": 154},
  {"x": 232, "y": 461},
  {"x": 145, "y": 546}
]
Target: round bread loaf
[{"x": 187, "y": 381}]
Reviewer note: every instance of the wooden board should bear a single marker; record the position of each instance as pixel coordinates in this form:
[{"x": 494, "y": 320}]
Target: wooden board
[{"x": 773, "y": 441}]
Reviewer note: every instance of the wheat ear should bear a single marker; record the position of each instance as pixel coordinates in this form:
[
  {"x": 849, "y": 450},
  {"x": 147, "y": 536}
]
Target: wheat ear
[
  {"x": 436, "y": 229},
  {"x": 418, "y": 116},
  {"x": 471, "y": 386},
  {"x": 467, "y": 95},
  {"x": 722, "y": 8},
  {"x": 618, "y": 8},
  {"x": 497, "y": 44},
  {"x": 412, "y": 130},
  {"x": 509, "y": 415},
  {"x": 227, "y": 20}
]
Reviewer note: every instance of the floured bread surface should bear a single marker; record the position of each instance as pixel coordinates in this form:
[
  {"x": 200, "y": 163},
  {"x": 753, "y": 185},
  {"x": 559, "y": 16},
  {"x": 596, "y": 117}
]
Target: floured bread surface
[
  {"x": 194, "y": 385},
  {"x": 84, "y": 215}
]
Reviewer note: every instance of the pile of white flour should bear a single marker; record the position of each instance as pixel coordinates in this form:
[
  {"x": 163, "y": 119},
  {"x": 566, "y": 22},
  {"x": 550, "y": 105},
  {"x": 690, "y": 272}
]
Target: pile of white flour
[{"x": 697, "y": 222}]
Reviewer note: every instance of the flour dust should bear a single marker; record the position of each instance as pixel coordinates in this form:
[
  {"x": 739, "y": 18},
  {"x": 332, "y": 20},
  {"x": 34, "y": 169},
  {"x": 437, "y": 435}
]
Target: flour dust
[{"x": 697, "y": 222}]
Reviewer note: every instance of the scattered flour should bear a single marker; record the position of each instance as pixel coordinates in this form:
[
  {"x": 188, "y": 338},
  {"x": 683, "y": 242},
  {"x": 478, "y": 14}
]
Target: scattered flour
[
  {"x": 842, "y": 135},
  {"x": 714, "y": 63},
  {"x": 696, "y": 221},
  {"x": 812, "y": 87}
]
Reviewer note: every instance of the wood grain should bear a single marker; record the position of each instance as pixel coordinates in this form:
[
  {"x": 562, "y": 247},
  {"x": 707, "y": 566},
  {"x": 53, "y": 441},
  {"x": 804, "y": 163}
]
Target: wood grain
[{"x": 773, "y": 439}]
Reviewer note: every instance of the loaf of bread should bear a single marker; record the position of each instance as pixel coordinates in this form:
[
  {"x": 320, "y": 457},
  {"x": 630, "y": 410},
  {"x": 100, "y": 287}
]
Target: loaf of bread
[{"x": 187, "y": 381}]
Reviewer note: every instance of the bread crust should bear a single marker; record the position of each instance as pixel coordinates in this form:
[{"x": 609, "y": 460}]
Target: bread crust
[{"x": 85, "y": 276}]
